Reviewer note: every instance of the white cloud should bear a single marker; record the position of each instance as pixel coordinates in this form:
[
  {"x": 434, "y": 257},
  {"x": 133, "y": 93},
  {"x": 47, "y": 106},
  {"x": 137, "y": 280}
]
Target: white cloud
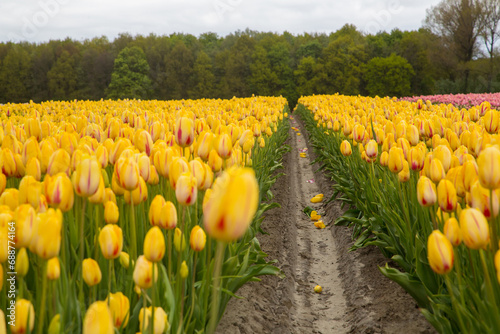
[{"x": 42, "y": 20}]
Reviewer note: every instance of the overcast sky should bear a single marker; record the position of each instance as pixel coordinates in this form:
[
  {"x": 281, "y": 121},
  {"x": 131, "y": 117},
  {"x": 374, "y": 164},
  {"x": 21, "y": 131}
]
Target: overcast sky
[{"x": 42, "y": 20}]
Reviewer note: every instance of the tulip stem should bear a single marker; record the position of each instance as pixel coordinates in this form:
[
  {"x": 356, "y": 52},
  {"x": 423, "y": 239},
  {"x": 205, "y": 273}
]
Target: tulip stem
[
  {"x": 192, "y": 290},
  {"x": 44, "y": 296},
  {"x": 110, "y": 267},
  {"x": 144, "y": 314},
  {"x": 169, "y": 250},
  {"x": 494, "y": 242},
  {"x": 214, "y": 309},
  {"x": 82, "y": 243},
  {"x": 489, "y": 286},
  {"x": 133, "y": 233},
  {"x": 153, "y": 297}
]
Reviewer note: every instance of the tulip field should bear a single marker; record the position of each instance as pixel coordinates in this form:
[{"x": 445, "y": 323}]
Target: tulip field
[
  {"x": 422, "y": 183},
  {"x": 133, "y": 216}
]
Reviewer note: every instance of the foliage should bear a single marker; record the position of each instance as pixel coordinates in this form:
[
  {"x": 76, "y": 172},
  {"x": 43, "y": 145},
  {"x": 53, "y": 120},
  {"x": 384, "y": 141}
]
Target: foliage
[{"x": 389, "y": 76}]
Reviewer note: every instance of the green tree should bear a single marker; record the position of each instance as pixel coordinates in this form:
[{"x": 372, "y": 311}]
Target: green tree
[
  {"x": 15, "y": 75},
  {"x": 63, "y": 78},
  {"x": 389, "y": 76},
  {"x": 262, "y": 80},
  {"x": 130, "y": 75},
  {"x": 179, "y": 71},
  {"x": 310, "y": 77},
  {"x": 204, "y": 78}
]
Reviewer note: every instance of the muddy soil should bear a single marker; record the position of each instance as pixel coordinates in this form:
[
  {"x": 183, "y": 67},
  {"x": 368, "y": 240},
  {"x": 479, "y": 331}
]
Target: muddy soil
[{"x": 356, "y": 297}]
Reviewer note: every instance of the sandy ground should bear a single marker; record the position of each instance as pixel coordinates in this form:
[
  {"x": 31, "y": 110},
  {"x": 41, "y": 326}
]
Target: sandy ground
[{"x": 356, "y": 297}]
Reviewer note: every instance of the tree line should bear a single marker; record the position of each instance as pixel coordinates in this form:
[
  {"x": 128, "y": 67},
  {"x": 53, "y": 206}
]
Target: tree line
[{"x": 454, "y": 52}]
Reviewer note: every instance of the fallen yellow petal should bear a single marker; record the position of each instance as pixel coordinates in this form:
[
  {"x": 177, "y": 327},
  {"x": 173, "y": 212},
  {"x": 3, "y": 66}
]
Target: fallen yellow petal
[
  {"x": 316, "y": 199},
  {"x": 319, "y": 224}
]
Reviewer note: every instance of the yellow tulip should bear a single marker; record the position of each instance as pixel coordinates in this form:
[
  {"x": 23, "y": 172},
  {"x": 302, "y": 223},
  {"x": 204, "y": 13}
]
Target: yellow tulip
[
  {"x": 139, "y": 194},
  {"x": 480, "y": 199},
  {"x": 371, "y": 149},
  {"x": 443, "y": 154},
  {"x": 416, "y": 158},
  {"x": 384, "y": 159},
  {"x": 491, "y": 121},
  {"x": 168, "y": 216},
  {"x": 447, "y": 196},
  {"x": 470, "y": 174},
  {"x": 111, "y": 213},
  {"x": 205, "y": 145},
  {"x": 22, "y": 262},
  {"x": 87, "y": 177},
  {"x": 59, "y": 162},
  {"x": 154, "y": 214},
  {"x": 345, "y": 148},
  {"x": 55, "y": 325},
  {"x": 437, "y": 172},
  {"x": 143, "y": 273},
  {"x": 91, "y": 272},
  {"x": 396, "y": 158},
  {"x": 223, "y": 145},
  {"x": 98, "y": 319},
  {"x": 440, "y": 253},
  {"x": 111, "y": 241},
  {"x": 127, "y": 173},
  {"x": 475, "y": 229},
  {"x": 154, "y": 245},
  {"x": 119, "y": 306},
  {"x": 24, "y": 320},
  {"x": 25, "y": 217},
  {"x": 232, "y": 205},
  {"x": 184, "y": 132},
  {"x": 143, "y": 142},
  {"x": 197, "y": 239},
  {"x": 178, "y": 166},
  {"x": 53, "y": 269},
  {"x": 58, "y": 191},
  {"x": 160, "y": 321},
  {"x": 186, "y": 190},
  {"x": 46, "y": 239},
  {"x": 452, "y": 231},
  {"x": 426, "y": 192},
  {"x": 30, "y": 150},
  {"x": 488, "y": 164},
  {"x": 9, "y": 167},
  {"x": 30, "y": 191}
]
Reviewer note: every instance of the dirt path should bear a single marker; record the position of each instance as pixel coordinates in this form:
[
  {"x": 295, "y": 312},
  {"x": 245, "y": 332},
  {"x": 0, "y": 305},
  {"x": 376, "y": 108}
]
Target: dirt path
[{"x": 356, "y": 298}]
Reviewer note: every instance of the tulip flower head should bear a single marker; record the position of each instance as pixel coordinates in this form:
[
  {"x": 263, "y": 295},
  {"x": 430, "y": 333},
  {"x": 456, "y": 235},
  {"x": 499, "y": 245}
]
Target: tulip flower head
[
  {"x": 440, "y": 253},
  {"x": 25, "y": 317},
  {"x": 98, "y": 319},
  {"x": 143, "y": 273},
  {"x": 154, "y": 245},
  {"x": 111, "y": 241},
  {"x": 91, "y": 272},
  {"x": 197, "y": 239},
  {"x": 475, "y": 229}
]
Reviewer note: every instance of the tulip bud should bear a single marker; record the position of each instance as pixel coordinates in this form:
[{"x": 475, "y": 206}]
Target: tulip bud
[
  {"x": 29, "y": 191},
  {"x": 198, "y": 171},
  {"x": 46, "y": 239},
  {"x": 452, "y": 231},
  {"x": 186, "y": 190},
  {"x": 179, "y": 241},
  {"x": 184, "y": 132},
  {"x": 9, "y": 167},
  {"x": 232, "y": 205},
  {"x": 111, "y": 241},
  {"x": 205, "y": 145},
  {"x": 491, "y": 121},
  {"x": 197, "y": 239},
  {"x": 58, "y": 191},
  {"x": 154, "y": 245},
  {"x": 98, "y": 319},
  {"x": 416, "y": 159},
  {"x": 214, "y": 161},
  {"x": 447, "y": 196},
  {"x": 87, "y": 177},
  {"x": 384, "y": 159},
  {"x": 168, "y": 216},
  {"x": 59, "y": 162},
  {"x": 475, "y": 229},
  {"x": 480, "y": 199},
  {"x": 91, "y": 272},
  {"x": 53, "y": 269},
  {"x": 143, "y": 273},
  {"x": 25, "y": 317},
  {"x": 154, "y": 214},
  {"x": 437, "y": 171},
  {"x": 440, "y": 253},
  {"x": 154, "y": 179},
  {"x": 345, "y": 148},
  {"x": 22, "y": 262},
  {"x": 489, "y": 167},
  {"x": 160, "y": 321},
  {"x": 371, "y": 149},
  {"x": 124, "y": 260},
  {"x": 25, "y": 217},
  {"x": 10, "y": 198},
  {"x": 443, "y": 154},
  {"x": 426, "y": 192},
  {"x": 111, "y": 213},
  {"x": 184, "y": 271},
  {"x": 396, "y": 158},
  {"x": 127, "y": 173},
  {"x": 119, "y": 306},
  {"x": 404, "y": 175},
  {"x": 55, "y": 325},
  {"x": 177, "y": 167}
]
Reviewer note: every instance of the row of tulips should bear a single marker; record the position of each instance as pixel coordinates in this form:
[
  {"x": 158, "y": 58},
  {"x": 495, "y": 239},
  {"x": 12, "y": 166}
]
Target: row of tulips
[
  {"x": 133, "y": 216},
  {"x": 458, "y": 100},
  {"x": 423, "y": 185}
]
